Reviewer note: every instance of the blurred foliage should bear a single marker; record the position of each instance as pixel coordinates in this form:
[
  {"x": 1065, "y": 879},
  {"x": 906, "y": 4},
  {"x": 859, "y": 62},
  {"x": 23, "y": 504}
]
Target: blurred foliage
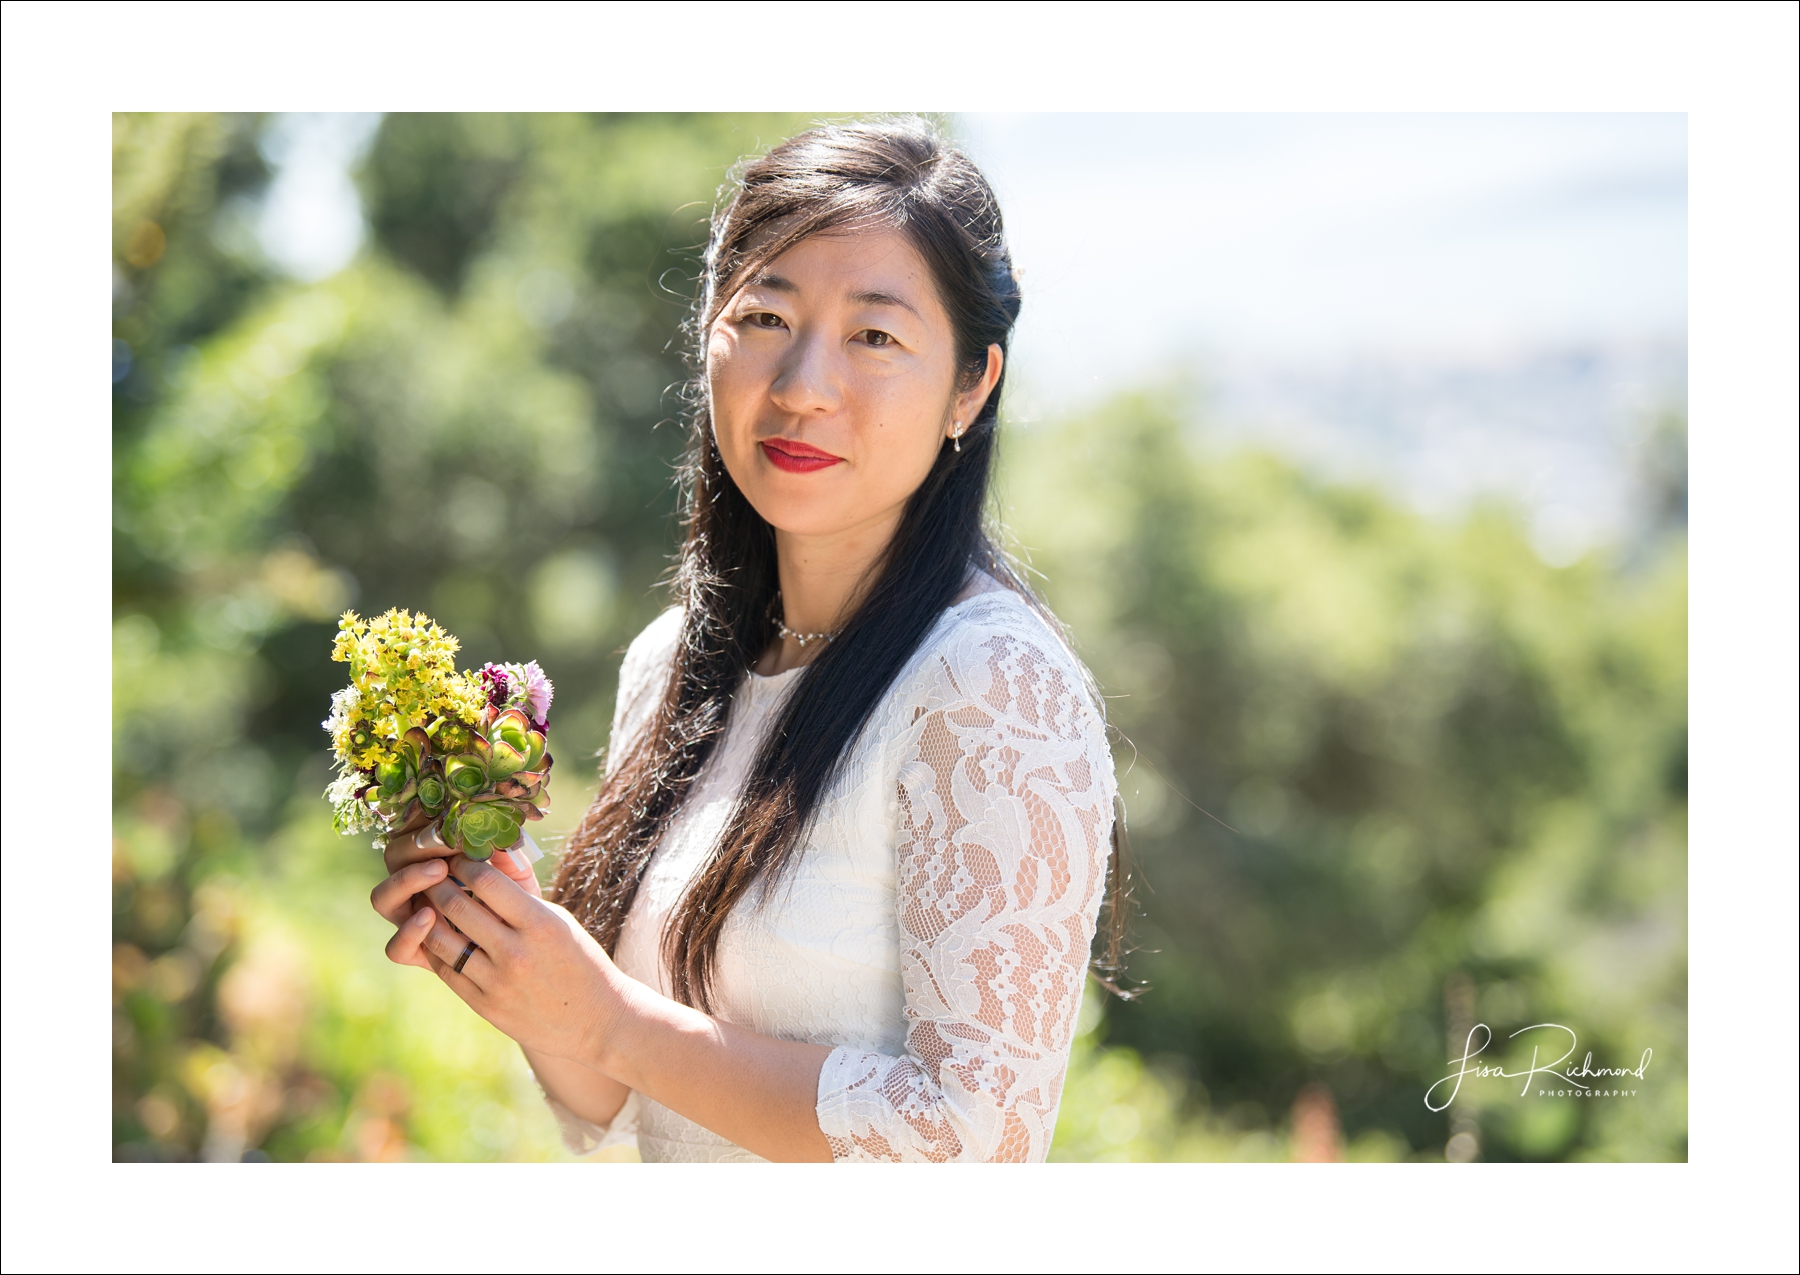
[
  {"x": 463, "y": 420},
  {"x": 1456, "y": 775},
  {"x": 1387, "y": 779}
]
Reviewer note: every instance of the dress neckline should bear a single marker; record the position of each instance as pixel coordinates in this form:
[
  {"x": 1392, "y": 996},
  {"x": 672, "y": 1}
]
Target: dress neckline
[{"x": 771, "y": 680}]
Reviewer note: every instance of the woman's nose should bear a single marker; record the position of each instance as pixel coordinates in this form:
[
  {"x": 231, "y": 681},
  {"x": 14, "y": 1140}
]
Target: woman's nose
[{"x": 807, "y": 383}]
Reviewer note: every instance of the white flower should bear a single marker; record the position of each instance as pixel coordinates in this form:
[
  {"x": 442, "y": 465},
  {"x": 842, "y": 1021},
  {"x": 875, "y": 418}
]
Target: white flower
[
  {"x": 343, "y": 706},
  {"x": 344, "y": 788},
  {"x": 350, "y": 813}
]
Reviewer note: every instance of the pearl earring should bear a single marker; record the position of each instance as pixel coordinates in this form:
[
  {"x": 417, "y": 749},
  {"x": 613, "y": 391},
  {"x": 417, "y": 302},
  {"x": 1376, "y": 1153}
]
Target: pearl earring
[{"x": 956, "y": 438}]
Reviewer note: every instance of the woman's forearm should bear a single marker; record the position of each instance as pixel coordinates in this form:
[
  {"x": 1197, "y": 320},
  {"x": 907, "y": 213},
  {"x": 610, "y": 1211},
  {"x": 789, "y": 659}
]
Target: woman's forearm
[
  {"x": 754, "y": 1090},
  {"x": 590, "y": 1095},
  {"x": 541, "y": 978}
]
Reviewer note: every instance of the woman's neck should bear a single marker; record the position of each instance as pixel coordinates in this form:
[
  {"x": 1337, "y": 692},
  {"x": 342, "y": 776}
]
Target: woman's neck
[{"x": 822, "y": 581}]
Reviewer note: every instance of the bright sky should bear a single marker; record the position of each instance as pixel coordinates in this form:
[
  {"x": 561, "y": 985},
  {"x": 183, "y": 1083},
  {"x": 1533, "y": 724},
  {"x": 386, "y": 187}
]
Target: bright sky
[
  {"x": 1148, "y": 238},
  {"x": 312, "y": 222},
  {"x": 1453, "y": 306}
]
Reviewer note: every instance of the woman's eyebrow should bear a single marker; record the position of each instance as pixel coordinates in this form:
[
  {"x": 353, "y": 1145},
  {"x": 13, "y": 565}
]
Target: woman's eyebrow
[
  {"x": 885, "y": 298},
  {"x": 868, "y": 296}
]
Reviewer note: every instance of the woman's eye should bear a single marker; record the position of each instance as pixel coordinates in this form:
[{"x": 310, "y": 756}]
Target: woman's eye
[
  {"x": 876, "y": 337},
  {"x": 763, "y": 319}
]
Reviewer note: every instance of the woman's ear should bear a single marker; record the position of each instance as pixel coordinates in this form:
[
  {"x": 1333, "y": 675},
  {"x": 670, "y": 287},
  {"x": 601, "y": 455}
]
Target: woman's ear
[{"x": 970, "y": 402}]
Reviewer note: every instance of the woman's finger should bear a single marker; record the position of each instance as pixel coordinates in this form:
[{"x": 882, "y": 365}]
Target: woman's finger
[
  {"x": 459, "y": 983},
  {"x": 466, "y": 914},
  {"x": 406, "y": 947},
  {"x": 500, "y": 892},
  {"x": 517, "y": 869},
  {"x": 449, "y": 947},
  {"x": 413, "y": 846},
  {"x": 391, "y": 895}
]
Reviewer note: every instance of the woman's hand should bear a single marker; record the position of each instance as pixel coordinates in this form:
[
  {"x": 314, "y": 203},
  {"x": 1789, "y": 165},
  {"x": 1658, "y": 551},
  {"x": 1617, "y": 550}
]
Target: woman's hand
[
  {"x": 416, "y": 860},
  {"x": 399, "y": 900},
  {"x": 414, "y": 840},
  {"x": 419, "y": 841},
  {"x": 518, "y": 871},
  {"x": 534, "y": 972},
  {"x": 531, "y": 970}
]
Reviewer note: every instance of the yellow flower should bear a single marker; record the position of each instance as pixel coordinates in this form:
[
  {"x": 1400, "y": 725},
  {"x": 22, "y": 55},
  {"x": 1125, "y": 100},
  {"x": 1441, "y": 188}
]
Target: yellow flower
[{"x": 403, "y": 673}]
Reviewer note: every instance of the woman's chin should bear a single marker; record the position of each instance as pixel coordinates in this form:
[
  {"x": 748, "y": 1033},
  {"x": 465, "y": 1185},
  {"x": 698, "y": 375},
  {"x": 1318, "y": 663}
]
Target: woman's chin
[
  {"x": 807, "y": 514},
  {"x": 800, "y": 523}
]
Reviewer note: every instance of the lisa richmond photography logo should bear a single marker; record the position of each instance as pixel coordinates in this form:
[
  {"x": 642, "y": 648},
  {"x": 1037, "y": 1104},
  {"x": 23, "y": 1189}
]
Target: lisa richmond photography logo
[{"x": 1547, "y": 1072}]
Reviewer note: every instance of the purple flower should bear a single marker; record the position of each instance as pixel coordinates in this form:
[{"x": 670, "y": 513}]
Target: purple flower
[{"x": 498, "y": 684}]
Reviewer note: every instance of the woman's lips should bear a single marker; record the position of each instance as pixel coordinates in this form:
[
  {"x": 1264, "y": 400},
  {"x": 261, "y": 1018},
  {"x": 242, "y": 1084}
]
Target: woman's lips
[{"x": 792, "y": 456}]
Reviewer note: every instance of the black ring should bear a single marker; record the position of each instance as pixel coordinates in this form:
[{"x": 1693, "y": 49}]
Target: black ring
[{"x": 464, "y": 958}]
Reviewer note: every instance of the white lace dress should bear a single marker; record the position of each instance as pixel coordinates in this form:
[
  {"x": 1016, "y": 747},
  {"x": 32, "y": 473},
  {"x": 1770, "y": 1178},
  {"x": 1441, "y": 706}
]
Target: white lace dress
[{"x": 935, "y": 926}]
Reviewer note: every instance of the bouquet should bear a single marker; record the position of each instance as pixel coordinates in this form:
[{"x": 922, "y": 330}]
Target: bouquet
[{"x": 419, "y": 743}]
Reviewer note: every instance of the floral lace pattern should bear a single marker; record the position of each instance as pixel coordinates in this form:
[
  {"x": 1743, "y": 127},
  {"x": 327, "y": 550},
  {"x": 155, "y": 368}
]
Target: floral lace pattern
[
  {"x": 935, "y": 928},
  {"x": 1005, "y": 810}
]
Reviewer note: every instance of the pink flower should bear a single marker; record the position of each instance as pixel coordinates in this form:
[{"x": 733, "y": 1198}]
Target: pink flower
[{"x": 538, "y": 692}]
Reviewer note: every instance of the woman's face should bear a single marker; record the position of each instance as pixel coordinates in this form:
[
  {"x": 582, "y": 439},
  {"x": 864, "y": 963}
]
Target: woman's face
[{"x": 832, "y": 376}]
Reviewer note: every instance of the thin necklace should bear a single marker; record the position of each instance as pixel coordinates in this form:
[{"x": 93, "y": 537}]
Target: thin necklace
[{"x": 801, "y": 638}]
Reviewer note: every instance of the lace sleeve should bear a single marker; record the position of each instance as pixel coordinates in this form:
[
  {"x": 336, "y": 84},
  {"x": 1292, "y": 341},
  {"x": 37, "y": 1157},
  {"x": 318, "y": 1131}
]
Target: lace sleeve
[
  {"x": 1005, "y": 813},
  {"x": 583, "y": 1137}
]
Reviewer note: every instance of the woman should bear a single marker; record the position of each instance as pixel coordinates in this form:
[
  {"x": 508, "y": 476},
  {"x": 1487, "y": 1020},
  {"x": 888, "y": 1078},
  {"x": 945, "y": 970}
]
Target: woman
[{"x": 836, "y": 896}]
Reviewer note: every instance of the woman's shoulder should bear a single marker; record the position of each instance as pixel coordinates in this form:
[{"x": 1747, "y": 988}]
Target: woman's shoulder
[
  {"x": 996, "y": 650},
  {"x": 653, "y": 648},
  {"x": 644, "y": 671}
]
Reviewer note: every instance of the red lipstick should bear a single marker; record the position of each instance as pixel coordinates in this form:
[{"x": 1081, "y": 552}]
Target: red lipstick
[{"x": 792, "y": 456}]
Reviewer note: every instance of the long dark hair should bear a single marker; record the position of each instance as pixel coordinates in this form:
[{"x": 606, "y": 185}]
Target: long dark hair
[{"x": 898, "y": 174}]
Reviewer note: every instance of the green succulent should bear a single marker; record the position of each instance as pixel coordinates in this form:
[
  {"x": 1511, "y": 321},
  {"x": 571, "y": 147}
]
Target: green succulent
[
  {"x": 466, "y": 774},
  {"x": 478, "y": 828},
  {"x": 394, "y": 782},
  {"x": 513, "y": 745},
  {"x": 479, "y": 798},
  {"x": 432, "y": 791},
  {"x": 397, "y": 785}
]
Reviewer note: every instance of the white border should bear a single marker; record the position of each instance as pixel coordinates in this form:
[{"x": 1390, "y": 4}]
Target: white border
[{"x": 1731, "y": 66}]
